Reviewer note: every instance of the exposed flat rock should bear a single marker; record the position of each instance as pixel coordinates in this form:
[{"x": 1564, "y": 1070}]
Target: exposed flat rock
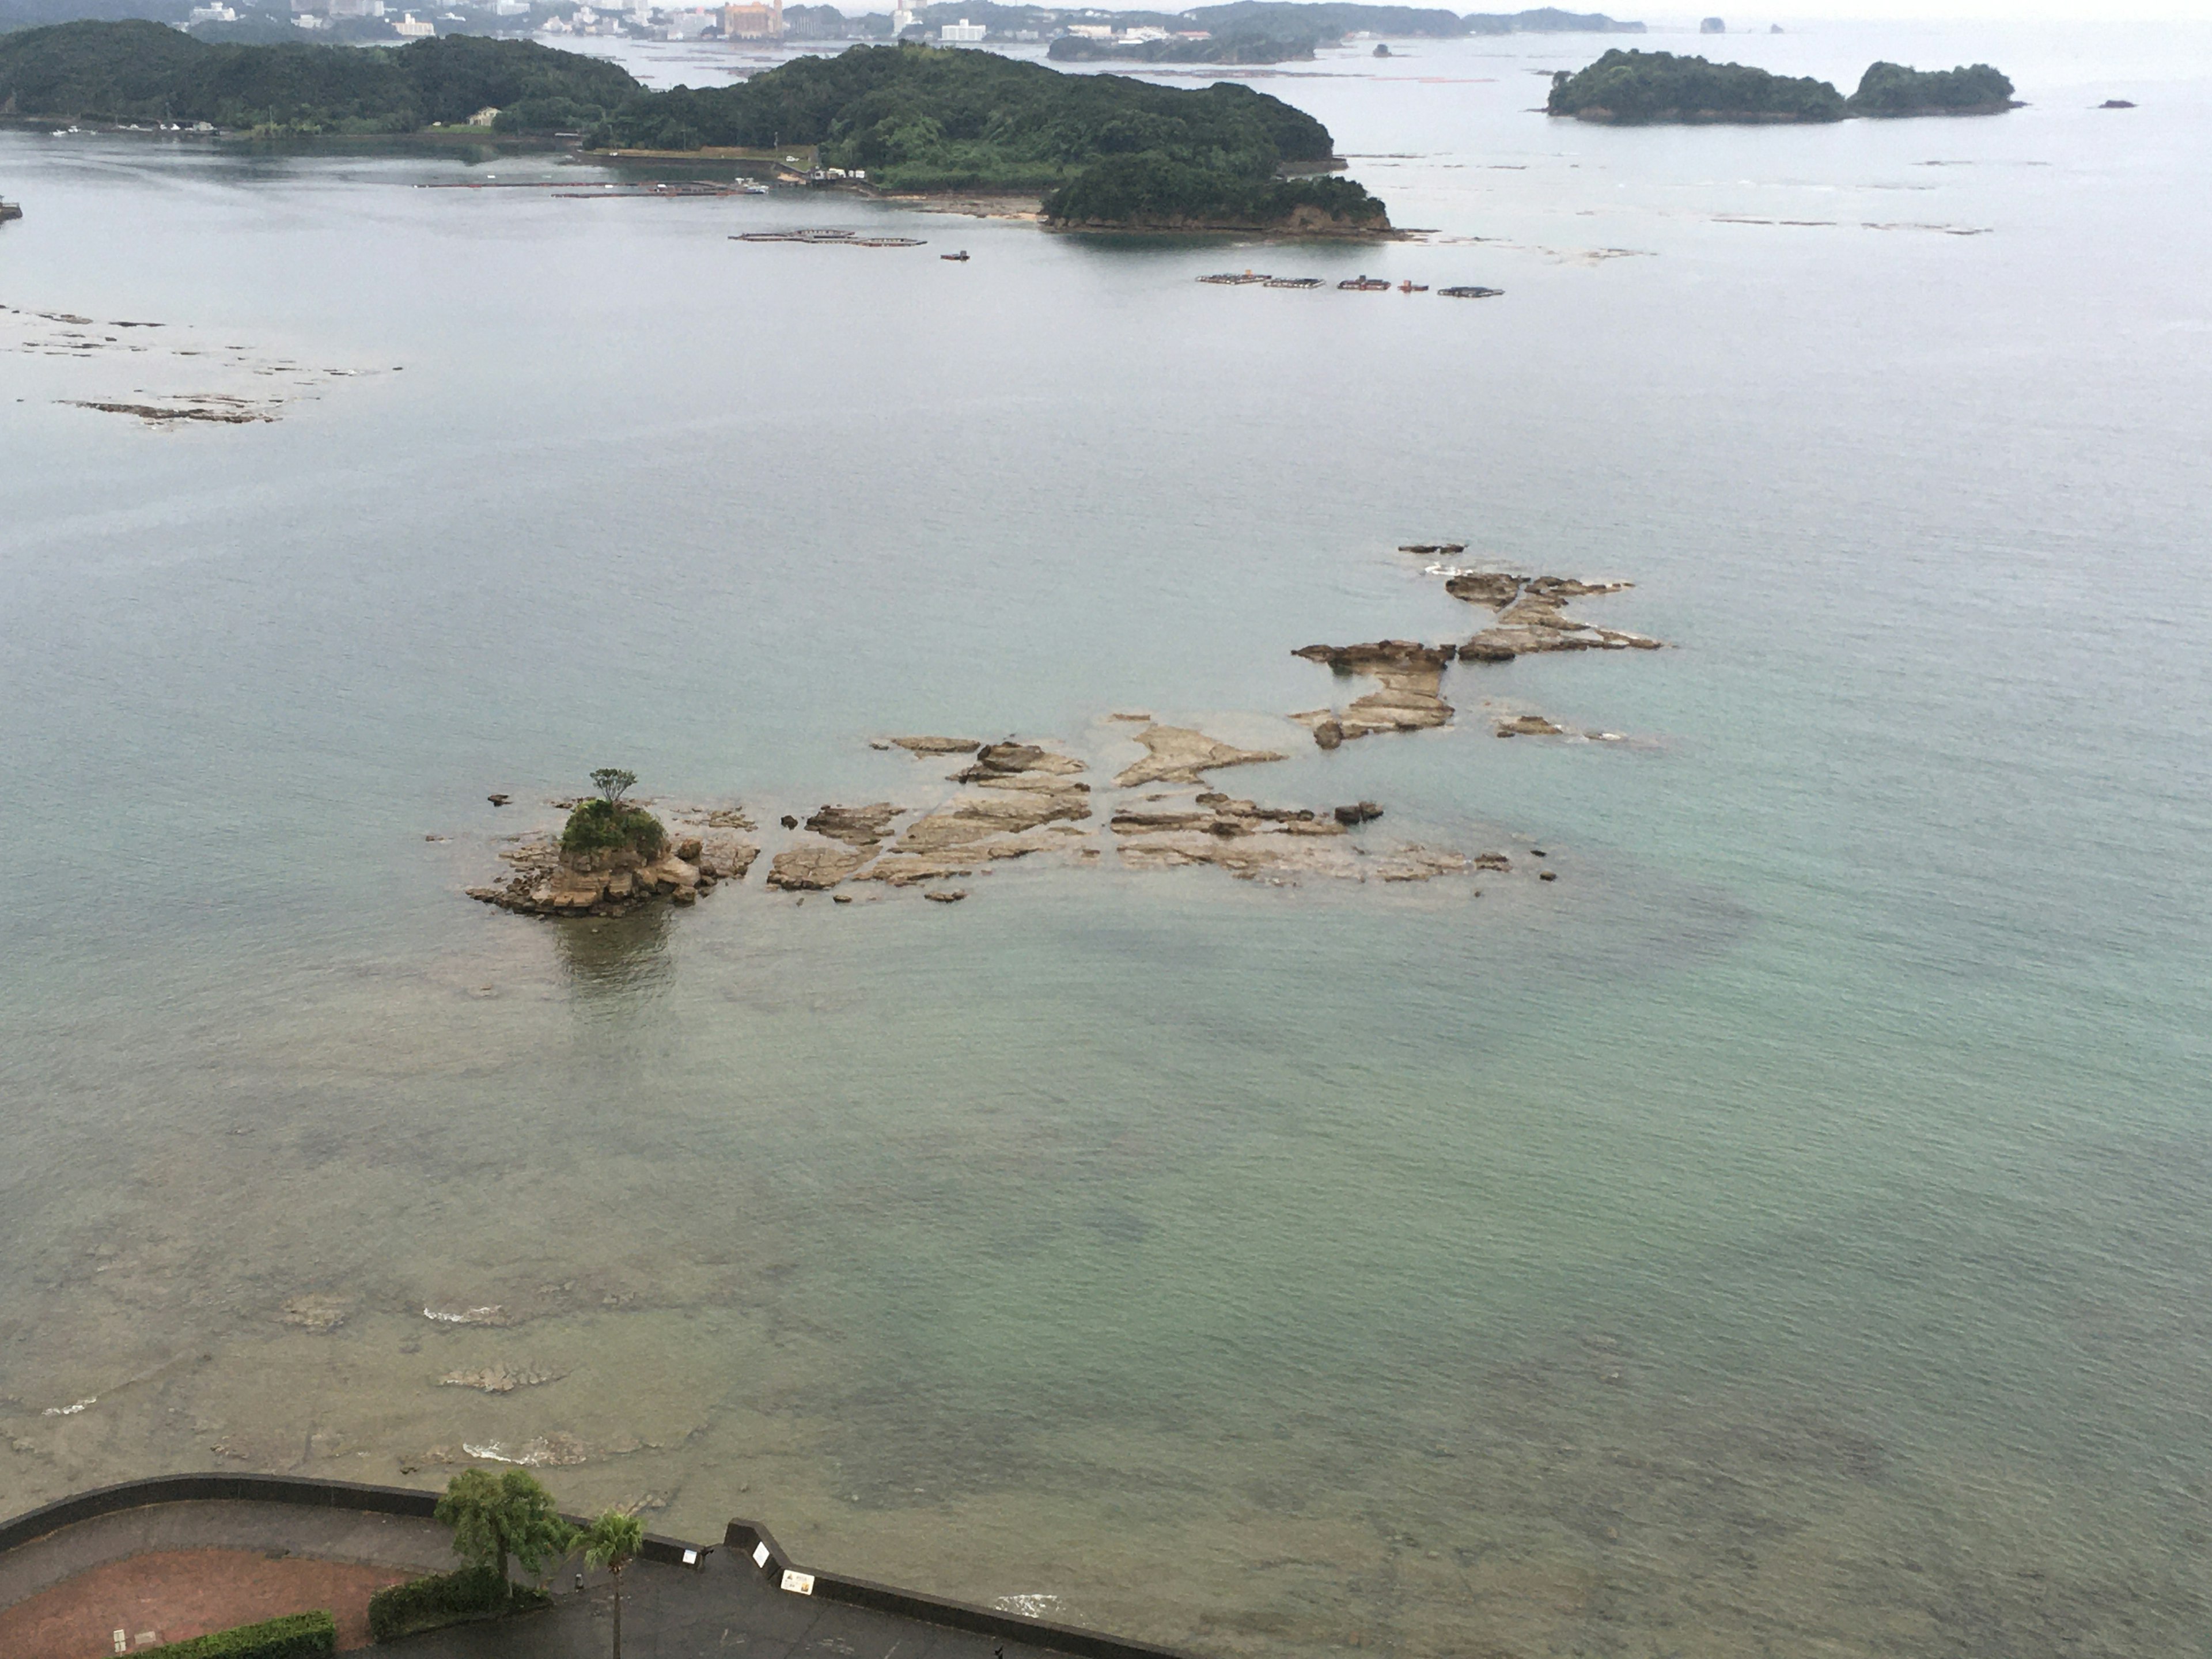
[
  {"x": 725, "y": 856},
  {"x": 1532, "y": 617},
  {"x": 939, "y": 745},
  {"x": 1246, "y": 855},
  {"x": 1177, "y": 754},
  {"x": 316, "y": 1312},
  {"x": 501, "y": 1378},
  {"x": 996, "y": 759},
  {"x": 856, "y": 826},
  {"x": 1409, "y": 699},
  {"x": 909, "y": 869},
  {"x": 1526, "y": 726},
  {"x": 1416, "y": 863},
  {"x": 811, "y": 869},
  {"x": 967, "y": 820}
]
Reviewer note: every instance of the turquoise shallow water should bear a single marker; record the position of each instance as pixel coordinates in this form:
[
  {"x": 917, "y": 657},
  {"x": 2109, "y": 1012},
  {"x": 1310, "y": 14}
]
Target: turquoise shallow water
[{"x": 1783, "y": 1233}]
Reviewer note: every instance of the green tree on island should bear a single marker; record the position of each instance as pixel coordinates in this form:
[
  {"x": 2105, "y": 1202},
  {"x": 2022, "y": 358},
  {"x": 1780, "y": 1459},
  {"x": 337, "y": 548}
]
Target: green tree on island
[
  {"x": 510, "y": 1514},
  {"x": 612, "y": 1541},
  {"x": 607, "y": 822}
]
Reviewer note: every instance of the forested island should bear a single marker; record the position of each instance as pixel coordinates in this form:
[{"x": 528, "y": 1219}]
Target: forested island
[
  {"x": 1630, "y": 88},
  {"x": 1111, "y": 152},
  {"x": 1969, "y": 89},
  {"x": 144, "y": 72}
]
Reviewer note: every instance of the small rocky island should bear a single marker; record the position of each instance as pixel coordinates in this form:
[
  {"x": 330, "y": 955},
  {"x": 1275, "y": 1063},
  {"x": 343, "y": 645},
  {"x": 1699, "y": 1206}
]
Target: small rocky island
[
  {"x": 1644, "y": 89},
  {"x": 1016, "y": 799},
  {"x": 613, "y": 856}
]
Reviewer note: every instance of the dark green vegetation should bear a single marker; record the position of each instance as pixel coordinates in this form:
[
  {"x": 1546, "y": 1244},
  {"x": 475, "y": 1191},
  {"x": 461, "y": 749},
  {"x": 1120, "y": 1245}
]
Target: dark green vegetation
[
  {"x": 1221, "y": 49},
  {"x": 913, "y": 118},
  {"x": 919, "y": 119},
  {"x": 1632, "y": 88},
  {"x": 142, "y": 71},
  {"x": 598, "y": 825},
  {"x": 494, "y": 1517},
  {"x": 1152, "y": 191},
  {"x": 1639, "y": 87},
  {"x": 295, "y": 1636},
  {"x": 446, "y": 1598},
  {"x": 1893, "y": 89}
]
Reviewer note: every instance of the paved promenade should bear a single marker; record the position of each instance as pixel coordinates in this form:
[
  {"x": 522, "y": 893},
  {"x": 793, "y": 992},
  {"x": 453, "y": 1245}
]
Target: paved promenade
[{"x": 722, "y": 1607}]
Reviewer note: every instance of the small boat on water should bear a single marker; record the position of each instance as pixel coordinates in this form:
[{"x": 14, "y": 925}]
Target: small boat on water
[
  {"x": 960, "y": 257},
  {"x": 1409, "y": 286},
  {"x": 1470, "y": 293},
  {"x": 9, "y": 210},
  {"x": 1364, "y": 284}
]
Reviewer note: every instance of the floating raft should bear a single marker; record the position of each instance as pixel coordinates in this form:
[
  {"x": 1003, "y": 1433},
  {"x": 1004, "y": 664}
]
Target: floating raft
[
  {"x": 1364, "y": 285},
  {"x": 1237, "y": 279},
  {"x": 1470, "y": 293},
  {"x": 1294, "y": 282},
  {"x": 828, "y": 238}
]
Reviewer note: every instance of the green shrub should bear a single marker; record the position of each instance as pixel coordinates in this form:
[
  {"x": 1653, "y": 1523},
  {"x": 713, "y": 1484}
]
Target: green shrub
[
  {"x": 446, "y": 1598},
  {"x": 294, "y": 1636},
  {"x": 599, "y": 824}
]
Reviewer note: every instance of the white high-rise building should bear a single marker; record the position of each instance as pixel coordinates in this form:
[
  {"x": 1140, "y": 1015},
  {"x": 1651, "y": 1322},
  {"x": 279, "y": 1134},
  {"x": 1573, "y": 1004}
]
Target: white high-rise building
[{"x": 962, "y": 33}]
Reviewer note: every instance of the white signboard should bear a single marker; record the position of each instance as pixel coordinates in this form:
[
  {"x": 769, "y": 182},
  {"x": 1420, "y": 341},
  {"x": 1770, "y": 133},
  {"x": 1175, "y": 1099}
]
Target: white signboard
[{"x": 798, "y": 1583}]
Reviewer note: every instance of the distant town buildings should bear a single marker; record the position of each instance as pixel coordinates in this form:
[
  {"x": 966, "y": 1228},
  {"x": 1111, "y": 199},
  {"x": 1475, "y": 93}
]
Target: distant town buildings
[
  {"x": 215, "y": 14},
  {"x": 411, "y": 28},
  {"x": 962, "y": 33},
  {"x": 753, "y": 22}
]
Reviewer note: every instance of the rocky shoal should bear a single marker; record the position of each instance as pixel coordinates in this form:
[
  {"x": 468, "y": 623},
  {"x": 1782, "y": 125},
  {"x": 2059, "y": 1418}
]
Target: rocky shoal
[{"x": 1019, "y": 799}]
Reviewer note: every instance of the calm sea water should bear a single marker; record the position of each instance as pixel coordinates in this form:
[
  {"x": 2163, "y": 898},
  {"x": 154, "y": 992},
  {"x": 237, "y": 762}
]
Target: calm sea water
[{"x": 1783, "y": 1234}]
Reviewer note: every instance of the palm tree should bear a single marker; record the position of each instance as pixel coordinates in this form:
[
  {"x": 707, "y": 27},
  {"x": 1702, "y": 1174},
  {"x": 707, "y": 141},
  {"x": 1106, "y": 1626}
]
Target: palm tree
[{"x": 612, "y": 1541}]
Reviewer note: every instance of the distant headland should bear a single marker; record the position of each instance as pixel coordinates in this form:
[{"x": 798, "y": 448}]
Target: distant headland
[
  {"x": 1104, "y": 151},
  {"x": 1637, "y": 88}
]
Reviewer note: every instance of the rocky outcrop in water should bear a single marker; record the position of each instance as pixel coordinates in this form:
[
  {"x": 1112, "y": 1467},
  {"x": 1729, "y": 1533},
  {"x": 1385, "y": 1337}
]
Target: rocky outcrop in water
[
  {"x": 1018, "y": 799},
  {"x": 1532, "y": 617},
  {"x": 1410, "y": 699},
  {"x": 1177, "y": 754},
  {"x": 608, "y": 882}
]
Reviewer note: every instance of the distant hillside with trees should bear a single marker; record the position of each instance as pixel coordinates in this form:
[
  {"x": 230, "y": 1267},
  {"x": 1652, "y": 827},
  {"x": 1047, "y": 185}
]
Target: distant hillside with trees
[
  {"x": 918, "y": 117},
  {"x": 141, "y": 72},
  {"x": 1217, "y": 49},
  {"x": 913, "y": 118}
]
